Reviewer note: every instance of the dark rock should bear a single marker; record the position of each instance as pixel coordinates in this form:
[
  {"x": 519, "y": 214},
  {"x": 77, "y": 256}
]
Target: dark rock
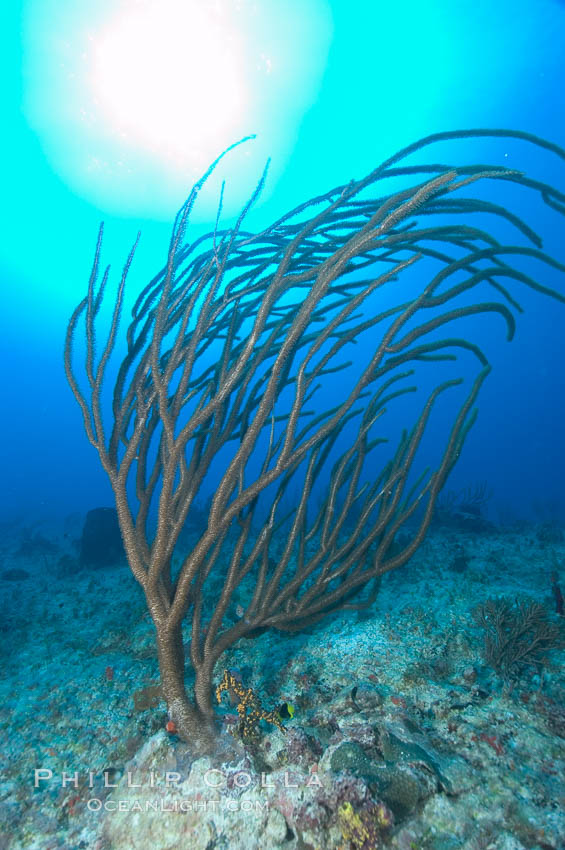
[
  {"x": 67, "y": 566},
  {"x": 15, "y": 575},
  {"x": 101, "y": 542},
  {"x": 399, "y": 788},
  {"x": 350, "y": 756}
]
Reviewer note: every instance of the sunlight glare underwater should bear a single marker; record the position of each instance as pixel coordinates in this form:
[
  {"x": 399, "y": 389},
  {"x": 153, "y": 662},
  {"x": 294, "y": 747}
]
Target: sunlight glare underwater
[
  {"x": 143, "y": 95},
  {"x": 191, "y": 93}
]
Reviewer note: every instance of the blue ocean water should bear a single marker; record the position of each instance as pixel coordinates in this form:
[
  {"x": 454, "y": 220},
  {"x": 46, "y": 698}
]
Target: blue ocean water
[
  {"x": 111, "y": 112},
  {"x": 496, "y": 65}
]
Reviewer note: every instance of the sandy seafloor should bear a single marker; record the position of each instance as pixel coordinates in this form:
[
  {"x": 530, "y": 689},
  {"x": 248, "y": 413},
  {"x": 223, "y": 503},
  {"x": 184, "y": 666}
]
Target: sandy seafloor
[{"x": 395, "y": 712}]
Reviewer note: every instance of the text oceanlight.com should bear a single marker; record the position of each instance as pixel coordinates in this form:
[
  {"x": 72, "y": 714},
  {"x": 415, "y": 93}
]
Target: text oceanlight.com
[
  {"x": 185, "y": 805},
  {"x": 215, "y": 782}
]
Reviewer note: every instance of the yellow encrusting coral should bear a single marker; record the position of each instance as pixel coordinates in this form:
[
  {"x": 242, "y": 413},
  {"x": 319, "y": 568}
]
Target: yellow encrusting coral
[
  {"x": 363, "y": 829},
  {"x": 249, "y": 708}
]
